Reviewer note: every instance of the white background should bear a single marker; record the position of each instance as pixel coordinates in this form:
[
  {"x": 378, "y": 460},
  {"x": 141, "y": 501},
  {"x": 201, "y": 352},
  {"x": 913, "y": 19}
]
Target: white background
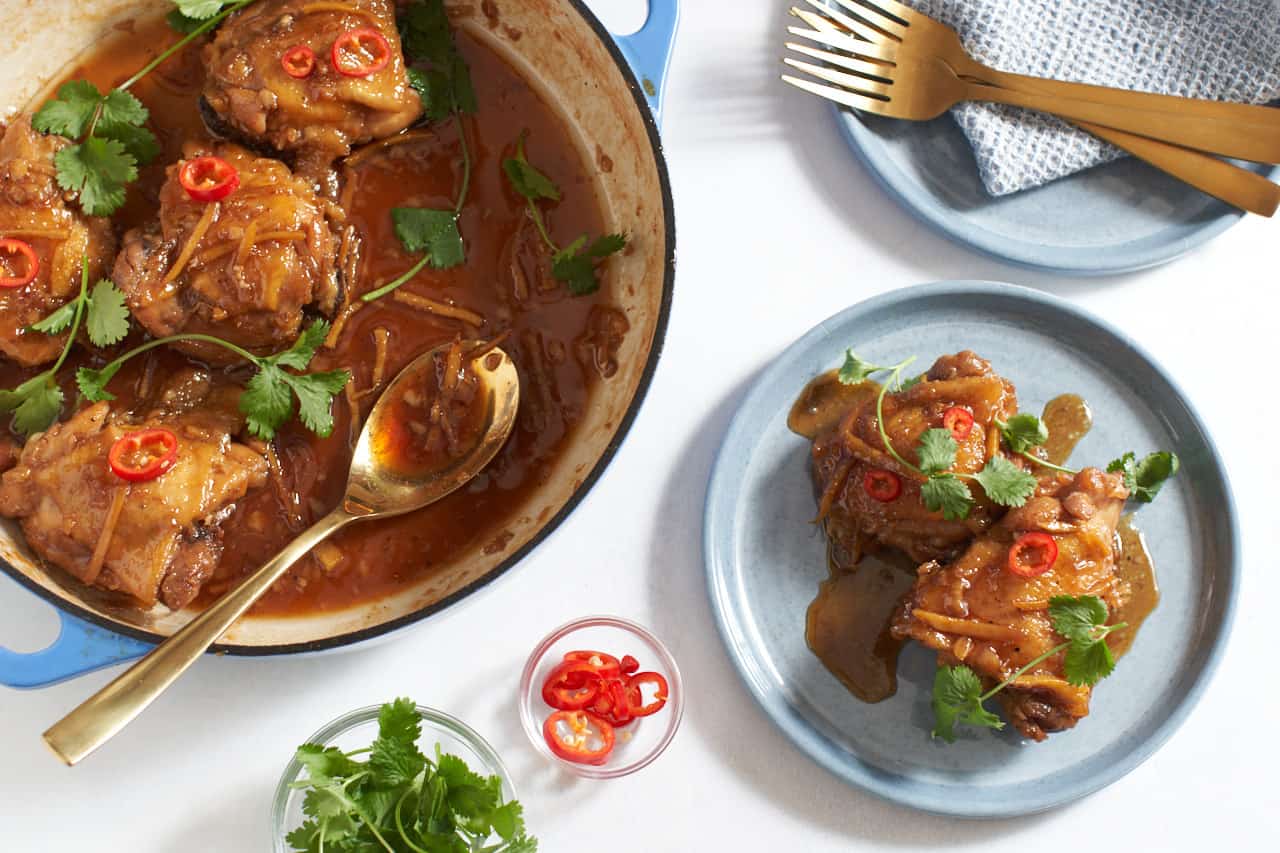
[{"x": 778, "y": 229}]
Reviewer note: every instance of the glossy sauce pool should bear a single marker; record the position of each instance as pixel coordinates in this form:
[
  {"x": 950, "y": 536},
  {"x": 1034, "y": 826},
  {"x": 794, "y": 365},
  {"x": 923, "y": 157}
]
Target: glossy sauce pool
[
  {"x": 563, "y": 346},
  {"x": 847, "y": 624}
]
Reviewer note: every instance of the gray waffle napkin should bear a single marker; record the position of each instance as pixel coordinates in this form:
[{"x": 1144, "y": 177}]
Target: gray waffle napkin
[{"x": 1219, "y": 49}]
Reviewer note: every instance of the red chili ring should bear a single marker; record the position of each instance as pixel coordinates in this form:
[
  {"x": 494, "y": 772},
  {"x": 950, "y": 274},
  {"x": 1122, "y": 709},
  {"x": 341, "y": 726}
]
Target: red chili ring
[
  {"x": 299, "y": 61},
  {"x": 11, "y": 247},
  {"x": 153, "y": 465},
  {"x": 882, "y": 485},
  {"x": 580, "y": 722},
  {"x": 208, "y": 178},
  {"x": 353, "y": 42},
  {"x": 959, "y": 421},
  {"x": 1040, "y": 546}
]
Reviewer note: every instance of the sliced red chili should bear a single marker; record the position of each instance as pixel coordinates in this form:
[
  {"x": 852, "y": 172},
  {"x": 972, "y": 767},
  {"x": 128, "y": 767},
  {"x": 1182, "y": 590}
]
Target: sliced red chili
[
  {"x": 959, "y": 421},
  {"x": 143, "y": 455},
  {"x": 571, "y": 686},
  {"x": 606, "y": 666},
  {"x": 612, "y": 704},
  {"x": 19, "y": 263},
  {"x": 636, "y": 705},
  {"x": 629, "y": 665},
  {"x": 361, "y": 52},
  {"x": 579, "y": 736},
  {"x": 299, "y": 61},
  {"x": 882, "y": 485},
  {"x": 208, "y": 178},
  {"x": 1032, "y": 554}
]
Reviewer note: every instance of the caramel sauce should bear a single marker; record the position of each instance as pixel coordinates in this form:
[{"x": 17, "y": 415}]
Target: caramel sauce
[
  {"x": 1069, "y": 420},
  {"x": 847, "y": 624},
  {"x": 556, "y": 340}
]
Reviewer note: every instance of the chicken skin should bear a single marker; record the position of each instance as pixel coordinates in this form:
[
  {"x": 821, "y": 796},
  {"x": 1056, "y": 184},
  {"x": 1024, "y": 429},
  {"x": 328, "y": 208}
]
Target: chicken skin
[
  {"x": 242, "y": 268},
  {"x": 153, "y": 540},
  {"x": 315, "y": 115},
  {"x": 977, "y": 612},
  {"x": 34, "y": 211},
  {"x": 843, "y": 456}
]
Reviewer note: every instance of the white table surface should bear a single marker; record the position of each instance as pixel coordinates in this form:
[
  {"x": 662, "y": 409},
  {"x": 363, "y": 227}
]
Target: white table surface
[{"x": 778, "y": 228}]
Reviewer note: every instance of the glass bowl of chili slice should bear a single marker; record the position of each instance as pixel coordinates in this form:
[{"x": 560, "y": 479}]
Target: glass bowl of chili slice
[{"x": 601, "y": 697}]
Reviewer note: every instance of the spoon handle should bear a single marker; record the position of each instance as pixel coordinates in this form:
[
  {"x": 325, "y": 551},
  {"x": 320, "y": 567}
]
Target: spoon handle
[{"x": 103, "y": 715}]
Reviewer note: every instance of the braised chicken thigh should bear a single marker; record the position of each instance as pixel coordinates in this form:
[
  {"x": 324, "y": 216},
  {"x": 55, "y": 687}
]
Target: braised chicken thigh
[
  {"x": 242, "y": 267},
  {"x": 979, "y": 612},
  {"x": 155, "y": 540},
  {"x": 844, "y": 457},
  {"x": 310, "y": 78},
  {"x": 37, "y": 224}
]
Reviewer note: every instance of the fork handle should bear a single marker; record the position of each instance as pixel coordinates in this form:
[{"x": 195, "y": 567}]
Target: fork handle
[
  {"x": 1224, "y": 111},
  {"x": 1246, "y": 142},
  {"x": 1225, "y": 181}
]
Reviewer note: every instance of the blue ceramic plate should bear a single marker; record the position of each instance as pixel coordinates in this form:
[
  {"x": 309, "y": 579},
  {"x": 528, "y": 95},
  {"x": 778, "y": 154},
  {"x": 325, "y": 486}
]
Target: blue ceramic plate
[
  {"x": 1115, "y": 218},
  {"x": 765, "y": 558}
]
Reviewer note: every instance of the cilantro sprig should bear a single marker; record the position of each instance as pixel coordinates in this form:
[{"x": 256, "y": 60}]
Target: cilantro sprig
[
  {"x": 443, "y": 83},
  {"x": 1143, "y": 477},
  {"x": 574, "y": 264},
  {"x": 400, "y": 799},
  {"x": 268, "y": 400},
  {"x": 108, "y": 130},
  {"x": 943, "y": 490},
  {"x": 1082, "y": 621},
  {"x": 37, "y": 403}
]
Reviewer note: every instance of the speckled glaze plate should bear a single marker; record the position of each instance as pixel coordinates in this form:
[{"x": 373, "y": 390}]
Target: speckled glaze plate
[
  {"x": 1111, "y": 219},
  {"x": 765, "y": 558}
]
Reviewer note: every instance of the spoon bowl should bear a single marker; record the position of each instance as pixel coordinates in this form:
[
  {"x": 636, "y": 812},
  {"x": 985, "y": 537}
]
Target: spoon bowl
[{"x": 377, "y": 487}]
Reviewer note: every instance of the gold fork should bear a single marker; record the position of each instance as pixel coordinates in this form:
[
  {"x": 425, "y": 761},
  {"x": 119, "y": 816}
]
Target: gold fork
[
  {"x": 914, "y": 32},
  {"x": 927, "y": 35},
  {"x": 921, "y": 88}
]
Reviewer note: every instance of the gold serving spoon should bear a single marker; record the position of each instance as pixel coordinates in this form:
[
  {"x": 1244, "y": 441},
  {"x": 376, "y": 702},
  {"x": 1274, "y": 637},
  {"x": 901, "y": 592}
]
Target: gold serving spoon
[{"x": 377, "y": 487}]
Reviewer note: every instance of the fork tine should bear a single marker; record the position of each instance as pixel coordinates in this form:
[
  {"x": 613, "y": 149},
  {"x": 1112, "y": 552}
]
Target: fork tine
[
  {"x": 884, "y": 51},
  {"x": 872, "y": 69},
  {"x": 871, "y": 15},
  {"x": 891, "y": 17},
  {"x": 860, "y": 85},
  {"x": 856, "y": 27},
  {"x": 840, "y": 96}
]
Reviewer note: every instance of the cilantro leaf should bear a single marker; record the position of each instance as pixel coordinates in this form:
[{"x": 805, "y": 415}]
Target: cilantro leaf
[
  {"x": 1023, "y": 432},
  {"x": 35, "y": 404},
  {"x": 98, "y": 169},
  {"x": 937, "y": 451},
  {"x": 107, "y": 318},
  {"x": 957, "y": 698},
  {"x": 855, "y": 370},
  {"x": 182, "y": 24},
  {"x": 120, "y": 109},
  {"x": 93, "y": 383},
  {"x": 399, "y": 720},
  {"x": 323, "y": 763},
  {"x": 434, "y": 232},
  {"x": 910, "y": 382},
  {"x": 508, "y": 820},
  {"x": 57, "y": 322},
  {"x": 1077, "y": 617},
  {"x": 201, "y": 9},
  {"x": 315, "y": 393},
  {"x": 139, "y": 143},
  {"x": 576, "y": 266},
  {"x": 1145, "y": 478},
  {"x": 304, "y": 348},
  {"x": 1005, "y": 483},
  {"x": 70, "y": 112},
  {"x": 445, "y": 85},
  {"x": 526, "y": 180},
  {"x": 948, "y": 494},
  {"x": 1087, "y": 663},
  {"x": 267, "y": 402}
]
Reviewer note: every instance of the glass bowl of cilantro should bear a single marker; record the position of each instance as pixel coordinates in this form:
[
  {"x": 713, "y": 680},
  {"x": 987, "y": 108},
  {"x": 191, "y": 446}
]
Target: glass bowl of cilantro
[{"x": 397, "y": 777}]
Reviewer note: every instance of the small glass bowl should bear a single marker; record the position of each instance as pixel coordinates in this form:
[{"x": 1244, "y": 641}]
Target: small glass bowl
[
  {"x": 640, "y": 743},
  {"x": 357, "y": 730}
]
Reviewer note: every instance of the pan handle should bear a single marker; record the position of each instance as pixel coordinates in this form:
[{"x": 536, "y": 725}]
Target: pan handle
[
  {"x": 648, "y": 50},
  {"x": 79, "y": 648}
]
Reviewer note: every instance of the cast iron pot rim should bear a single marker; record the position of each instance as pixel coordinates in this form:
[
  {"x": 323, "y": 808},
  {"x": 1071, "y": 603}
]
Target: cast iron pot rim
[{"x": 588, "y": 482}]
